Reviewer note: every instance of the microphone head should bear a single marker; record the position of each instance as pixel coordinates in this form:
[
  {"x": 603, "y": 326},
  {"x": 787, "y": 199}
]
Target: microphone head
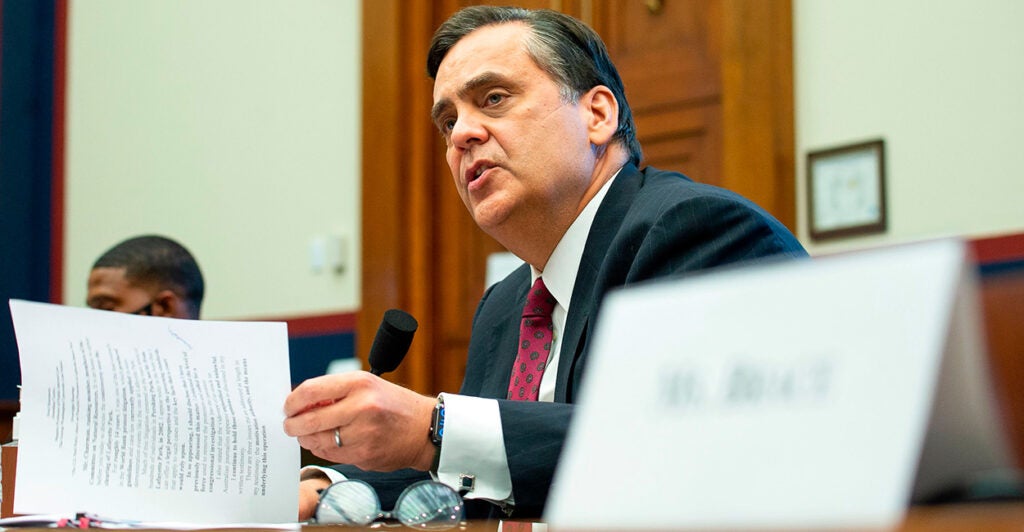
[{"x": 394, "y": 336}]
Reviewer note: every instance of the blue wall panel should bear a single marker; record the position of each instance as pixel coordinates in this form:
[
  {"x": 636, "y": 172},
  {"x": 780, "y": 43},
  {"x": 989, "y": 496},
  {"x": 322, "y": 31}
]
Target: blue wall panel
[
  {"x": 26, "y": 145},
  {"x": 310, "y": 355}
]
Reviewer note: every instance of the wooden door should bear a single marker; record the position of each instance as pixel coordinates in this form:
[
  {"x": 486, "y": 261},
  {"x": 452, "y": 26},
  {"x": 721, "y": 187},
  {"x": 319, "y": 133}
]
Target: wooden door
[
  {"x": 710, "y": 83},
  {"x": 668, "y": 54}
]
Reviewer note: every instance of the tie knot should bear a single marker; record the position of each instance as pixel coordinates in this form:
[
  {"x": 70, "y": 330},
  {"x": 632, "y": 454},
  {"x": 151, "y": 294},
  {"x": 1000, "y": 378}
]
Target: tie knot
[{"x": 539, "y": 302}]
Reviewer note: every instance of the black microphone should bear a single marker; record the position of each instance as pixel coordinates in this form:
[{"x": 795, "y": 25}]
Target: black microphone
[{"x": 394, "y": 336}]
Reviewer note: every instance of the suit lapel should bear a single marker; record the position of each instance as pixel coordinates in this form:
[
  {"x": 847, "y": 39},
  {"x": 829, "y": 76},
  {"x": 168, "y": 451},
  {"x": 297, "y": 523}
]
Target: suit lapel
[
  {"x": 586, "y": 291},
  {"x": 504, "y": 346}
]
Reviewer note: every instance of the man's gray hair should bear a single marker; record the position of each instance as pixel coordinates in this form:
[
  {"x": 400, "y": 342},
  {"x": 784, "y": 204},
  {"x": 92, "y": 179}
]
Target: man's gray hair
[{"x": 569, "y": 51}]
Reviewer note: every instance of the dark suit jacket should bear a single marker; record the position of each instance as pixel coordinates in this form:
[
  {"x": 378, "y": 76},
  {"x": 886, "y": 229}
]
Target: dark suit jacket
[{"x": 651, "y": 224}]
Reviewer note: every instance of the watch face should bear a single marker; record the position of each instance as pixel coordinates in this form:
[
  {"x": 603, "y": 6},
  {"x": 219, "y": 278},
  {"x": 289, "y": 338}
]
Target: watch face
[{"x": 437, "y": 425}]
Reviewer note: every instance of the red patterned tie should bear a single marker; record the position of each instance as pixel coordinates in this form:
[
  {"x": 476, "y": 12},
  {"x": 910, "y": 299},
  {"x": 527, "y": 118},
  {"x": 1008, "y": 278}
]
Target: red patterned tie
[{"x": 535, "y": 334}]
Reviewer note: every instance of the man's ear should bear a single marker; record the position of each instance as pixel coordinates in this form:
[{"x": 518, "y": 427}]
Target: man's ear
[
  {"x": 602, "y": 114},
  {"x": 169, "y": 305}
]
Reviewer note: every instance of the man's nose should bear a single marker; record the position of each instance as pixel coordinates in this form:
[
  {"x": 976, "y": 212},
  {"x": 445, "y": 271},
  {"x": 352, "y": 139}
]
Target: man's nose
[{"x": 468, "y": 130}]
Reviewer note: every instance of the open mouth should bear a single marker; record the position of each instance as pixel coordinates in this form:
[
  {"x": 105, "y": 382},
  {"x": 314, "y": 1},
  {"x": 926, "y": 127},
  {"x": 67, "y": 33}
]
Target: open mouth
[{"x": 476, "y": 171}]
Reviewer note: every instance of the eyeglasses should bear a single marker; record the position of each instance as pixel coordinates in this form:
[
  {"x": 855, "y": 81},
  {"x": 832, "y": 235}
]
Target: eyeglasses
[{"x": 425, "y": 504}]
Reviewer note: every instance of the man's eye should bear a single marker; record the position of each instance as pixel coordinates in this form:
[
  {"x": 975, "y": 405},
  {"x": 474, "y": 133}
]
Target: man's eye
[
  {"x": 495, "y": 98},
  {"x": 446, "y": 126}
]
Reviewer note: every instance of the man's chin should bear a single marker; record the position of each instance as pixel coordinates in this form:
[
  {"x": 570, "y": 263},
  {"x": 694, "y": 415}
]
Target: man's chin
[{"x": 490, "y": 217}]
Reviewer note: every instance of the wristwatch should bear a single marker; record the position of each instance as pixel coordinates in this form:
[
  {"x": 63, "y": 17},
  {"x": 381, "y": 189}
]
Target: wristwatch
[{"x": 437, "y": 423}]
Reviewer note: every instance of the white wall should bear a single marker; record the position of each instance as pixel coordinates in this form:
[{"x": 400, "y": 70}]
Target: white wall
[
  {"x": 232, "y": 126},
  {"x": 942, "y": 83}
]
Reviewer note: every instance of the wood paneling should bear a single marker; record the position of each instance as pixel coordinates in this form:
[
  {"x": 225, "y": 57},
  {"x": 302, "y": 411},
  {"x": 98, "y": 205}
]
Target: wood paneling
[
  {"x": 710, "y": 83},
  {"x": 396, "y": 168},
  {"x": 757, "y": 100},
  {"x": 669, "y": 60},
  {"x": 9, "y": 464},
  {"x": 1002, "y": 299}
]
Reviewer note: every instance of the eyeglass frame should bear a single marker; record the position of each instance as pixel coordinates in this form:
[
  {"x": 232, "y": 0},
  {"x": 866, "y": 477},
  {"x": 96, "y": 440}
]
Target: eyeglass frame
[{"x": 388, "y": 517}]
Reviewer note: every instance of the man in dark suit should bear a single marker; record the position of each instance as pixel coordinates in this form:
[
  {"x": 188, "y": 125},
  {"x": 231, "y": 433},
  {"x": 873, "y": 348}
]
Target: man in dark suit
[{"x": 543, "y": 151}]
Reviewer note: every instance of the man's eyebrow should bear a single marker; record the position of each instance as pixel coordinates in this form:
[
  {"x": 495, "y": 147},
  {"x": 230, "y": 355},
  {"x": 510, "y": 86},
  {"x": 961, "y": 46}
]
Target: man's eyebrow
[
  {"x": 485, "y": 79},
  {"x": 438, "y": 109}
]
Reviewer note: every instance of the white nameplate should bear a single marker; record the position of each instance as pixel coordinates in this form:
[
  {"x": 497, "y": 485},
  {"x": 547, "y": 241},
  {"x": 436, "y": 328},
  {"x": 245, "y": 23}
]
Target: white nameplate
[{"x": 791, "y": 395}]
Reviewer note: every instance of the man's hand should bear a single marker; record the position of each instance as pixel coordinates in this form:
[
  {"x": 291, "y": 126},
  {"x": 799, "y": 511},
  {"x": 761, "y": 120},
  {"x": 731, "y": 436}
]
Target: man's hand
[
  {"x": 383, "y": 426},
  {"x": 309, "y": 496}
]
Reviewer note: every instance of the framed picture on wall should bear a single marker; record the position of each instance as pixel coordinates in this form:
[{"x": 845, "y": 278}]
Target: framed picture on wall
[{"x": 846, "y": 190}]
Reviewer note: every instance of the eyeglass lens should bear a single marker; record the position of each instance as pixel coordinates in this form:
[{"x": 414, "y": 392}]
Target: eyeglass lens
[
  {"x": 429, "y": 504},
  {"x": 425, "y": 504},
  {"x": 350, "y": 502}
]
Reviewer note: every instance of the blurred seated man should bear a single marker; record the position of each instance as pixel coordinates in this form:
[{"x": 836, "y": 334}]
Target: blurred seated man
[{"x": 149, "y": 275}]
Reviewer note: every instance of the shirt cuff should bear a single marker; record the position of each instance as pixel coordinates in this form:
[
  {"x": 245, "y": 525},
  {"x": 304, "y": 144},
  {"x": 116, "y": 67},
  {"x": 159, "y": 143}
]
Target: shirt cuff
[{"x": 474, "y": 446}]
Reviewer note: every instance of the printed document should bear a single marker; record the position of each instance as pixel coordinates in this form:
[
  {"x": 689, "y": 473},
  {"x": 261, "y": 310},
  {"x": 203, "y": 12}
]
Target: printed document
[{"x": 153, "y": 419}]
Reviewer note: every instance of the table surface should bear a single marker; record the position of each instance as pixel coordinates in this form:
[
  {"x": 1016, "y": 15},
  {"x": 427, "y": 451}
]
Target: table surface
[{"x": 989, "y": 517}]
